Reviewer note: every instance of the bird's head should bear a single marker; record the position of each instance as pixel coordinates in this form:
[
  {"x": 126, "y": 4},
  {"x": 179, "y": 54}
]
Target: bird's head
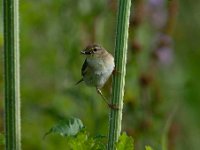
[{"x": 93, "y": 50}]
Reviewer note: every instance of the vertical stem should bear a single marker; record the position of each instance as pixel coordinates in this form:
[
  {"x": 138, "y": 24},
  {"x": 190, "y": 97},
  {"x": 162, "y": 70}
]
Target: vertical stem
[
  {"x": 11, "y": 74},
  {"x": 120, "y": 68}
]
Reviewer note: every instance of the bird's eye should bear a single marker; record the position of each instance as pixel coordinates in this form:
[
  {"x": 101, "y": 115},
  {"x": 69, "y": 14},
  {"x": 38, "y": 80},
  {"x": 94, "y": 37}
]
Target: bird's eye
[{"x": 94, "y": 49}]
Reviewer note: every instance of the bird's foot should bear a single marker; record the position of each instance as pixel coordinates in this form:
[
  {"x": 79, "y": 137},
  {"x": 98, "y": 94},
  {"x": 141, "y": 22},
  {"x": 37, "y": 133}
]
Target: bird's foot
[{"x": 113, "y": 106}]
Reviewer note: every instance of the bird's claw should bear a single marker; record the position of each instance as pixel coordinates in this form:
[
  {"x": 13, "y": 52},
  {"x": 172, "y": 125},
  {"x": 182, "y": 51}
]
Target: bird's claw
[{"x": 113, "y": 106}]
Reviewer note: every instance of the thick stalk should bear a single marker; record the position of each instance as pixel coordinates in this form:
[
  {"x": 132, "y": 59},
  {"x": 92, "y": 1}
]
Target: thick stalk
[
  {"x": 11, "y": 74},
  {"x": 120, "y": 71}
]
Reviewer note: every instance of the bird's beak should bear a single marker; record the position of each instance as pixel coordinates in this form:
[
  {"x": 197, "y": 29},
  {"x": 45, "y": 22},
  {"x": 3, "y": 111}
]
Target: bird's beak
[
  {"x": 86, "y": 52},
  {"x": 83, "y": 52}
]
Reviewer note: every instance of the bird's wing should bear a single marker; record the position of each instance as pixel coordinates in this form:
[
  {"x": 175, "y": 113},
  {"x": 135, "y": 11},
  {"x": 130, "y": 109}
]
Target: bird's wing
[
  {"x": 79, "y": 81},
  {"x": 84, "y": 68}
]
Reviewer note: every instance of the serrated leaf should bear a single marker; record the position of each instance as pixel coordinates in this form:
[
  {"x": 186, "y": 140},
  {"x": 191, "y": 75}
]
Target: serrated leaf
[
  {"x": 84, "y": 142},
  {"x": 125, "y": 143},
  {"x": 99, "y": 142},
  {"x": 148, "y": 148},
  {"x": 68, "y": 127}
]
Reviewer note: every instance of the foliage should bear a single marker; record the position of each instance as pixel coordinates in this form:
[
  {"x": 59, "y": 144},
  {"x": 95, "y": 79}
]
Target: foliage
[
  {"x": 84, "y": 142},
  {"x": 68, "y": 127},
  {"x": 148, "y": 148},
  {"x": 125, "y": 142},
  {"x": 76, "y": 136}
]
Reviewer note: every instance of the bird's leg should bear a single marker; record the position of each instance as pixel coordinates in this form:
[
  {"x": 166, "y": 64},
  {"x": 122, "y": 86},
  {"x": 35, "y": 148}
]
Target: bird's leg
[
  {"x": 105, "y": 100},
  {"x": 100, "y": 93}
]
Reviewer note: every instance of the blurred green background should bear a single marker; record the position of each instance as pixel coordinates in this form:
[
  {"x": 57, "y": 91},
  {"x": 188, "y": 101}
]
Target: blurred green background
[{"x": 162, "y": 97}]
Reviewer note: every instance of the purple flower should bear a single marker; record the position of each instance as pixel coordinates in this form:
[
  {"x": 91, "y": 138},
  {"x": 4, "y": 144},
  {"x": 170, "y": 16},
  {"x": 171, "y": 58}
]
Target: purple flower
[
  {"x": 164, "y": 50},
  {"x": 156, "y": 3},
  {"x": 157, "y": 13},
  {"x": 165, "y": 55}
]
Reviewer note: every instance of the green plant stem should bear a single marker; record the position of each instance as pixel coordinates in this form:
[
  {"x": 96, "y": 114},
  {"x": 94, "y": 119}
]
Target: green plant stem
[
  {"x": 11, "y": 74},
  {"x": 120, "y": 71},
  {"x": 164, "y": 138}
]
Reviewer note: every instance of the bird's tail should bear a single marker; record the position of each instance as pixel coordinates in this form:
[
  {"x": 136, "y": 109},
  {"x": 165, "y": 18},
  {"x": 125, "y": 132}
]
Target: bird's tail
[{"x": 79, "y": 81}]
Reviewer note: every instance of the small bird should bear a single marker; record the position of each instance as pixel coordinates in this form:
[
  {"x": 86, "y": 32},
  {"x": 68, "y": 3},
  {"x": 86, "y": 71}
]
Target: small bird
[{"x": 97, "y": 68}]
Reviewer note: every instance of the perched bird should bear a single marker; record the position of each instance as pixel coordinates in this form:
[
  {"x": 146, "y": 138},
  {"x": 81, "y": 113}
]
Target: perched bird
[{"x": 97, "y": 67}]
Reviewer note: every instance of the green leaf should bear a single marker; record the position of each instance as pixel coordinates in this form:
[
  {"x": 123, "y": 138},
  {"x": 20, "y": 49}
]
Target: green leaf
[
  {"x": 148, "y": 148},
  {"x": 125, "y": 142},
  {"x": 100, "y": 142},
  {"x": 68, "y": 127},
  {"x": 84, "y": 142},
  {"x": 81, "y": 141},
  {"x": 77, "y": 137}
]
